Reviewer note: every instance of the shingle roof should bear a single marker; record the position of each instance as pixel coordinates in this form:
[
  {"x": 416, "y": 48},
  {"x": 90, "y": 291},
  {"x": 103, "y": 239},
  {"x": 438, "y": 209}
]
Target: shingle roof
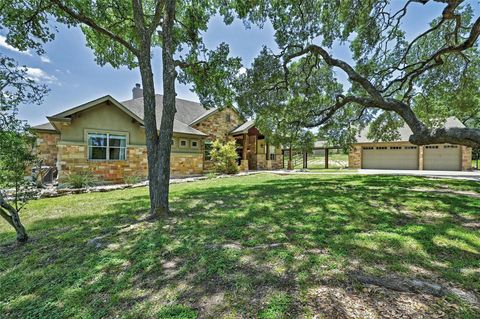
[
  {"x": 244, "y": 127},
  {"x": 187, "y": 111},
  {"x": 44, "y": 127},
  {"x": 405, "y": 131}
]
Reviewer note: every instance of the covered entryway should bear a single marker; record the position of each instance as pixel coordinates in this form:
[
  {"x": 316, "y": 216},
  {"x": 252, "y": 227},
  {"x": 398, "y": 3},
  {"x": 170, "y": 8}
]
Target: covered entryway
[
  {"x": 444, "y": 157},
  {"x": 390, "y": 157}
]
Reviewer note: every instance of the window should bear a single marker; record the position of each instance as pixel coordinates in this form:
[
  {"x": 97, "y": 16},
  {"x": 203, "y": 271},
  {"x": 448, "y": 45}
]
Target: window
[
  {"x": 368, "y": 147},
  {"x": 395, "y": 147},
  {"x": 410, "y": 147},
  {"x": 431, "y": 146},
  {"x": 106, "y": 146},
  {"x": 272, "y": 156},
  {"x": 381, "y": 147},
  {"x": 228, "y": 118},
  {"x": 194, "y": 144},
  {"x": 183, "y": 143},
  {"x": 208, "y": 149},
  {"x": 450, "y": 146}
]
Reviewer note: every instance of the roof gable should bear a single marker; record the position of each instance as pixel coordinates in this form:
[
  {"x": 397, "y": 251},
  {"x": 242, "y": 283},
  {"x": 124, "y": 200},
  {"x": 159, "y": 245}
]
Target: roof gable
[{"x": 134, "y": 108}]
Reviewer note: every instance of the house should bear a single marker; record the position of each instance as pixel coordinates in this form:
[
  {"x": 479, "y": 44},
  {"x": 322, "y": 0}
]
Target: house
[
  {"x": 401, "y": 154},
  {"x": 107, "y": 138}
]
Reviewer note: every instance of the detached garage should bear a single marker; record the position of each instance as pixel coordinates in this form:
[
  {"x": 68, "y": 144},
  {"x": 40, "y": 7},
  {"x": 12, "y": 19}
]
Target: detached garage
[{"x": 402, "y": 155}]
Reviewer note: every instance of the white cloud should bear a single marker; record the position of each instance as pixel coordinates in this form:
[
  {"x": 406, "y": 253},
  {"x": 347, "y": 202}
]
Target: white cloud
[
  {"x": 4, "y": 44},
  {"x": 45, "y": 59},
  {"x": 40, "y": 75}
]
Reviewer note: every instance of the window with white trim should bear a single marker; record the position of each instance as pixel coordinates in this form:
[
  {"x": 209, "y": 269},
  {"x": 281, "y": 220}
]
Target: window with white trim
[
  {"x": 194, "y": 144},
  {"x": 107, "y": 147},
  {"x": 183, "y": 143}
]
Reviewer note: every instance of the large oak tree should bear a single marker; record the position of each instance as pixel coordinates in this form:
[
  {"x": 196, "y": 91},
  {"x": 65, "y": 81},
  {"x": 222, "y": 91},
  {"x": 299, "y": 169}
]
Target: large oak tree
[
  {"x": 124, "y": 33},
  {"x": 392, "y": 75}
]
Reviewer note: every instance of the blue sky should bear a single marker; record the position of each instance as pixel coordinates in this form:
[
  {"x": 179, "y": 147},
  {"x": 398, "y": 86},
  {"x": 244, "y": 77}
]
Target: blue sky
[{"x": 69, "y": 69}]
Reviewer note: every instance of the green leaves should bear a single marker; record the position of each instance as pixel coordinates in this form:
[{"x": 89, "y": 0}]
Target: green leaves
[{"x": 212, "y": 75}]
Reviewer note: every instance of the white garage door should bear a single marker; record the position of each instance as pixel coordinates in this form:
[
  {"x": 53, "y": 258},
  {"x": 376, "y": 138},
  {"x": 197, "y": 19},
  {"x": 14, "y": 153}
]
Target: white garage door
[
  {"x": 442, "y": 157},
  {"x": 390, "y": 157}
]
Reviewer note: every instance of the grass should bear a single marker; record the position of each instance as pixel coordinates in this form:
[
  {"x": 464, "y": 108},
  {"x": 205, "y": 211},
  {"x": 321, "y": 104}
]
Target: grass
[
  {"x": 335, "y": 161},
  {"x": 263, "y": 246}
]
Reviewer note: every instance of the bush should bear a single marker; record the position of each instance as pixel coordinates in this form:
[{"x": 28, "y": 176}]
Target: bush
[
  {"x": 132, "y": 179},
  {"x": 80, "y": 180},
  {"x": 224, "y": 157}
]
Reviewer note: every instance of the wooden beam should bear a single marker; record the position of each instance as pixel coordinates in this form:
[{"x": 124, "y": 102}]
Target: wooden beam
[
  {"x": 245, "y": 146},
  {"x": 326, "y": 157}
]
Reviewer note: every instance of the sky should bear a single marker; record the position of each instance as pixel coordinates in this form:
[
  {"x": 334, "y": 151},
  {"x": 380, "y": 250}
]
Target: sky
[{"x": 70, "y": 71}]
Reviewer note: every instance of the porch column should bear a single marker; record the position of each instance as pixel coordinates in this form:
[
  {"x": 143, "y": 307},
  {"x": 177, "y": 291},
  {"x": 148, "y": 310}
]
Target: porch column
[
  {"x": 244, "y": 162},
  {"x": 267, "y": 156},
  {"x": 326, "y": 157},
  {"x": 245, "y": 146}
]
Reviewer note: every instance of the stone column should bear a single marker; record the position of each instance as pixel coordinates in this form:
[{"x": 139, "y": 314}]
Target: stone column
[
  {"x": 420, "y": 157},
  {"x": 466, "y": 158}
]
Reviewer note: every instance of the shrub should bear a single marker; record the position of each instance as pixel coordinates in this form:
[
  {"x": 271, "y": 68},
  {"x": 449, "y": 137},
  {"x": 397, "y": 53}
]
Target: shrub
[
  {"x": 132, "y": 179},
  {"x": 224, "y": 156},
  {"x": 80, "y": 180}
]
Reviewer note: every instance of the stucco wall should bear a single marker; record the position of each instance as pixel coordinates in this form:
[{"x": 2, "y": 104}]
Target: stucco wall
[
  {"x": 217, "y": 126},
  {"x": 102, "y": 117}
]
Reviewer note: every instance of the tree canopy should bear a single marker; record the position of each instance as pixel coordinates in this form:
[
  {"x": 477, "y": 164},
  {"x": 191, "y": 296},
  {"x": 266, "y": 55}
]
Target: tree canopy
[
  {"x": 393, "y": 76},
  {"x": 124, "y": 33}
]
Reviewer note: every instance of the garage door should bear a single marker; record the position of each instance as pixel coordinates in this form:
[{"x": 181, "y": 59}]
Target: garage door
[
  {"x": 390, "y": 157},
  {"x": 442, "y": 157}
]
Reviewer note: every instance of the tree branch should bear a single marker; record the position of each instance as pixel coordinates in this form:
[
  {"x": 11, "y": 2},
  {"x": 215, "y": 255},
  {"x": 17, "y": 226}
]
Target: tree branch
[{"x": 95, "y": 26}]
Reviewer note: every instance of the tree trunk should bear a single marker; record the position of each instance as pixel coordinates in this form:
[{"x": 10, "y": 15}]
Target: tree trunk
[
  {"x": 168, "y": 113},
  {"x": 10, "y": 214},
  {"x": 151, "y": 132}
]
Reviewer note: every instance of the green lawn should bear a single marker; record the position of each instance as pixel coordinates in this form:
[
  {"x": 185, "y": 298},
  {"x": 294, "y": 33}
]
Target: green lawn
[
  {"x": 262, "y": 246},
  {"x": 317, "y": 162}
]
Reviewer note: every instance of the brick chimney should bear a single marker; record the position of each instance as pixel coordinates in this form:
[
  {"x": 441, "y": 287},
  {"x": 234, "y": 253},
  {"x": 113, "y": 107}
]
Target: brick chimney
[{"x": 137, "y": 91}]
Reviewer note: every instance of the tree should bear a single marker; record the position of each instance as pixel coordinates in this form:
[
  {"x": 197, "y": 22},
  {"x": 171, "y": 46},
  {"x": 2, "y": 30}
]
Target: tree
[
  {"x": 224, "y": 157},
  {"x": 274, "y": 115},
  {"x": 123, "y": 33},
  {"x": 15, "y": 143},
  {"x": 389, "y": 69}
]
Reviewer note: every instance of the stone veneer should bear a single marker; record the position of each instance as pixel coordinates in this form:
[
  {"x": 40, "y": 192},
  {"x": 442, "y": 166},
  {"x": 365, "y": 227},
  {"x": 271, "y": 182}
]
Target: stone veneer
[
  {"x": 73, "y": 159},
  {"x": 46, "y": 147},
  {"x": 217, "y": 126},
  {"x": 355, "y": 155},
  {"x": 466, "y": 158},
  {"x": 182, "y": 164}
]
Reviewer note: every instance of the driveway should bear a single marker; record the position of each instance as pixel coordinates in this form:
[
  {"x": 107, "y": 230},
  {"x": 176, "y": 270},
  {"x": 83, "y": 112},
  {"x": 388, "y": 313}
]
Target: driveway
[
  {"x": 475, "y": 175},
  {"x": 467, "y": 175}
]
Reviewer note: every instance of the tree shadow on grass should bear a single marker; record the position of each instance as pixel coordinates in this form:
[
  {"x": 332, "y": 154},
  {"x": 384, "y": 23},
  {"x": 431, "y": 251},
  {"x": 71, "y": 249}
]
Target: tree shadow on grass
[{"x": 227, "y": 249}]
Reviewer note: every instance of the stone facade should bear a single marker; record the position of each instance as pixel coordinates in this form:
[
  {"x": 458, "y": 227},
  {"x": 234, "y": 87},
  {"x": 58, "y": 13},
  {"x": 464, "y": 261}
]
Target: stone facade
[
  {"x": 73, "y": 159},
  {"x": 219, "y": 124},
  {"x": 355, "y": 155},
  {"x": 466, "y": 158},
  {"x": 182, "y": 164},
  {"x": 46, "y": 147}
]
